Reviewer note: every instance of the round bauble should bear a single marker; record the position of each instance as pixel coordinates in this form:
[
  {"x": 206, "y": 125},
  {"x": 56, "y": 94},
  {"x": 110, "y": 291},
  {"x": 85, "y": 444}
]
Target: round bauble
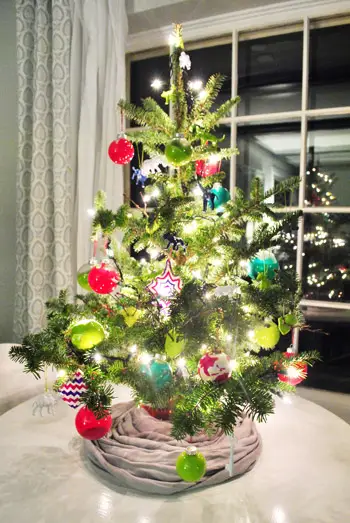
[
  {"x": 90, "y": 427},
  {"x": 130, "y": 315},
  {"x": 290, "y": 319},
  {"x": 267, "y": 336},
  {"x": 103, "y": 278},
  {"x": 121, "y": 151},
  {"x": 215, "y": 367},
  {"x": 294, "y": 373},
  {"x": 221, "y": 197},
  {"x": 263, "y": 263},
  {"x": 205, "y": 168},
  {"x": 174, "y": 344},
  {"x": 83, "y": 274},
  {"x": 72, "y": 389},
  {"x": 191, "y": 465},
  {"x": 86, "y": 334},
  {"x": 161, "y": 374},
  {"x": 178, "y": 151}
]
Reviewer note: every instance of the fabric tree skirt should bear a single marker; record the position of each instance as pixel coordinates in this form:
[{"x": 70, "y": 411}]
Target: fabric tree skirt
[{"x": 140, "y": 453}]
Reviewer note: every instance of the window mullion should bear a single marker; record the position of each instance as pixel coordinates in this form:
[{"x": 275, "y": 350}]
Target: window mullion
[{"x": 234, "y": 89}]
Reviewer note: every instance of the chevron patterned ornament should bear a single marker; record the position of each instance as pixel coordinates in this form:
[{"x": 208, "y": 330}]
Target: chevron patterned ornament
[{"x": 72, "y": 389}]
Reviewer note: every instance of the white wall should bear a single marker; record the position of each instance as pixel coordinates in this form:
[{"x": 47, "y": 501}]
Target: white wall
[{"x": 8, "y": 151}]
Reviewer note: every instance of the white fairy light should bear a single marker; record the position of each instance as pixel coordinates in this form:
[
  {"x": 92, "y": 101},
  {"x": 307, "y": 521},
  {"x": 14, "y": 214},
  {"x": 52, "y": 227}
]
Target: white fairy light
[
  {"x": 143, "y": 261},
  {"x": 197, "y": 274},
  {"x": 202, "y": 95},
  {"x": 197, "y": 191},
  {"x": 133, "y": 349},
  {"x": 243, "y": 263},
  {"x": 129, "y": 215},
  {"x": 207, "y": 296},
  {"x": 213, "y": 159},
  {"x": 91, "y": 212},
  {"x": 154, "y": 252},
  {"x": 233, "y": 365},
  {"x": 190, "y": 227},
  {"x": 204, "y": 346},
  {"x": 181, "y": 362},
  {"x": 61, "y": 373},
  {"x": 250, "y": 334},
  {"x": 97, "y": 357},
  {"x": 217, "y": 262},
  {"x": 145, "y": 358},
  {"x": 157, "y": 84},
  {"x": 293, "y": 372},
  {"x": 174, "y": 40},
  {"x": 155, "y": 192},
  {"x": 146, "y": 198},
  {"x": 229, "y": 337},
  {"x": 195, "y": 85}
]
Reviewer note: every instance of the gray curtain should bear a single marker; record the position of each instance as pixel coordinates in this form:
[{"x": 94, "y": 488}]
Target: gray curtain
[{"x": 44, "y": 180}]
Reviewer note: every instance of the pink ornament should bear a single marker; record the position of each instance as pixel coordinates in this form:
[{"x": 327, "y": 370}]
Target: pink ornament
[
  {"x": 294, "y": 373},
  {"x": 205, "y": 168},
  {"x": 121, "y": 151},
  {"x": 165, "y": 286},
  {"x": 71, "y": 390},
  {"x": 214, "y": 367},
  {"x": 89, "y": 427},
  {"x": 103, "y": 278}
]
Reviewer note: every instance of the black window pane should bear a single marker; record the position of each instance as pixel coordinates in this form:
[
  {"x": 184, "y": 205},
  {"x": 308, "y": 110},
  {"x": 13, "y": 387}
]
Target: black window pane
[
  {"x": 142, "y": 75},
  {"x": 329, "y": 71},
  {"x": 269, "y": 74},
  {"x": 211, "y": 60},
  {"x": 326, "y": 274},
  {"x": 271, "y": 153},
  {"x": 328, "y": 168}
]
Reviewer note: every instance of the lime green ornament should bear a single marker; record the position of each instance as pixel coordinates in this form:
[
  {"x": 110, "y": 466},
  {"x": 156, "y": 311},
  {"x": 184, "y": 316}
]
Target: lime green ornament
[
  {"x": 174, "y": 344},
  {"x": 221, "y": 197},
  {"x": 284, "y": 328},
  {"x": 130, "y": 315},
  {"x": 83, "y": 273},
  {"x": 191, "y": 465},
  {"x": 267, "y": 336},
  {"x": 86, "y": 334},
  {"x": 178, "y": 151},
  {"x": 290, "y": 319}
]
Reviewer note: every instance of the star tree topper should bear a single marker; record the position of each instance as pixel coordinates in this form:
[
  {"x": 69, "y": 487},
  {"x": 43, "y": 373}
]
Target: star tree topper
[{"x": 165, "y": 286}]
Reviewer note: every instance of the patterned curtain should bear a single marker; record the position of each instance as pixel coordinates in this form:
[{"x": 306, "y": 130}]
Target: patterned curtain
[{"x": 44, "y": 180}]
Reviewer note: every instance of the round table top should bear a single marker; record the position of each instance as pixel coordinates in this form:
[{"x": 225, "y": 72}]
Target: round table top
[{"x": 302, "y": 475}]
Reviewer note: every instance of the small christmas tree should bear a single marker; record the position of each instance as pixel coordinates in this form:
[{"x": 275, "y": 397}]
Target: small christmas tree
[{"x": 190, "y": 325}]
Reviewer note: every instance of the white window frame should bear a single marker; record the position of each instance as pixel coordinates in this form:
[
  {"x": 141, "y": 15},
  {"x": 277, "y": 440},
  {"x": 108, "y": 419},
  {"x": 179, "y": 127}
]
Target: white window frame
[{"x": 270, "y": 19}]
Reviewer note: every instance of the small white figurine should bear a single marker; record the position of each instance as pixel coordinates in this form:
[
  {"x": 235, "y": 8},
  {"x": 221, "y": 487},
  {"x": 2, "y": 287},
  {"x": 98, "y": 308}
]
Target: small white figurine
[
  {"x": 152, "y": 165},
  {"x": 185, "y": 61},
  {"x": 45, "y": 401}
]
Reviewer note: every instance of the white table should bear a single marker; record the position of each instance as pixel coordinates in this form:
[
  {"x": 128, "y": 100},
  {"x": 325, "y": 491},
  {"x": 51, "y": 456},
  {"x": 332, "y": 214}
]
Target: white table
[{"x": 303, "y": 475}]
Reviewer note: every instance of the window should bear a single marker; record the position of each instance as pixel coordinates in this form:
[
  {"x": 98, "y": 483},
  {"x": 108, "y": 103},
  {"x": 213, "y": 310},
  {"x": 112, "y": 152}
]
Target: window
[{"x": 293, "y": 120}]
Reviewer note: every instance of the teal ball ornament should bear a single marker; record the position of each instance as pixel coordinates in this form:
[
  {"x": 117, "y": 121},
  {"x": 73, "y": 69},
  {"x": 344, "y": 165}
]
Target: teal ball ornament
[
  {"x": 263, "y": 263},
  {"x": 178, "y": 151},
  {"x": 221, "y": 197},
  {"x": 161, "y": 374}
]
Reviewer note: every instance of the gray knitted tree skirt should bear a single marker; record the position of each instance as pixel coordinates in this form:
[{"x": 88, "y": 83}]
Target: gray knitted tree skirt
[{"x": 140, "y": 453}]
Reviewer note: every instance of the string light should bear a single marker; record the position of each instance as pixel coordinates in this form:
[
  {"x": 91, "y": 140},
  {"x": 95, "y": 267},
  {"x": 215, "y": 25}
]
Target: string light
[
  {"x": 197, "y": 274},
  {"x": 157, "y": 84},
  {"x": 229, "y": 337},
  {"x": 202, "y": 95},
  {"x": 61, "y": 373},
  {"x": 133, "y": 349},
  {"x": 97, "y": 357},
  {"x": 91, "y": 212},
  {"x": 154, "y": 252},
  {"x": 250, "y": 334},
  {"x": 145, "y": 358},
  {"x": 195, "y": 85},
  {"x": 181, "y": 363},
  {"x": 156, "y": 192},
  {"x": 146, "y": 198},
  {"x": 233, "y": 365}
]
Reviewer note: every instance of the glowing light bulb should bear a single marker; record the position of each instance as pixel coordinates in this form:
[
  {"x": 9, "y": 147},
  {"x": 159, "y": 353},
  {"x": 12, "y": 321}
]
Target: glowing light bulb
[
  {"x": 157, "y": 84},
  {"x": 97, "y": 357},
  {"x": 61, "y": 373},
  {"x": 202, "y": 95},
  {"x": 154, "y": 252},
  {"x": 133, "y": 349},
  {"x": 181, "y": 362},
  {"x": 143, "y": 261},
  {"x": 129, "y": 215},
  {"x": 145, "y": 358},
  {"x": 229, "y": 337},
  {"x": 146, "y": 198},
  {"x": 233, "y": 365},
  {"x": 155, "y": 192},
  {"x": 197, "y": 274},
  {"x": 195, "y": 85},
  {"x": 207, "y": 295},
  {"x": 197, "y": 191},
  {"x": 204, "y": 346},
  {"x": 292, "y": 372},
  {"x": 91, "y": 212},
  {"x": 250, "y": 334}
]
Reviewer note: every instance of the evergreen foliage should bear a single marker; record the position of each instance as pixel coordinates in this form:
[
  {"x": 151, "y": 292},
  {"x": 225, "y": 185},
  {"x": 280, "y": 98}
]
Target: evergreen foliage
[{"x": 218, "y": 306}]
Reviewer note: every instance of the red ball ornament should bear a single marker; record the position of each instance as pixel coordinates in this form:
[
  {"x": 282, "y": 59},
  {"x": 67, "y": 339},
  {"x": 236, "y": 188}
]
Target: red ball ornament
[
  {"x": 215, "y": 367},
  {"x": 89, "y": 427},
  {"x": 205, "y": 168},
  {"x": 103, "y": 278},
  {"x": 121, "y": 151},
  {"x": 294, "y": 373}
]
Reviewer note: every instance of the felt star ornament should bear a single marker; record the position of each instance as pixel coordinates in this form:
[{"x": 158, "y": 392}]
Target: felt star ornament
[{"x": 165, "y": 285}]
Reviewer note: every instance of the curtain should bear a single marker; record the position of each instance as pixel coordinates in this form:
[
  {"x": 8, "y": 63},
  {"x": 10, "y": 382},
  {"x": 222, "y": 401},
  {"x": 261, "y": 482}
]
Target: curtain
[
  {"x": 71, "y": 73},
  {"x": 44, "y": 180},
  {"x": 97, "y": 83}
]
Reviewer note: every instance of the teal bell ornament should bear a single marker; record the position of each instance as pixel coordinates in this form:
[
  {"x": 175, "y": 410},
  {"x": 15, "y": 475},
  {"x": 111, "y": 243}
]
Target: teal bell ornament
[
  {"x": 263, "y": 263},
  {"x": 161, "y": 374},
  {"x": 221, "y": 197},
  {"x": 178, "y": 151}
]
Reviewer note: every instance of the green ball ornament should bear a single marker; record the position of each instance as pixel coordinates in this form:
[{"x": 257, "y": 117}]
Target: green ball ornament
[
  {"x": 221, "y": 197},
  {"x": 174, "y": 344},
  {"x": 86, "y": 334},
  {"x": 290, "y": 319},
  {"x": 191, "y": 465},
  {"x": 263, "y": 263},
  {"x": 83, "y": 273},
  {"x": 178, "y": 151},
  {"x": 267, "y": 336},
  {"x": 161, "y": 374}
]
